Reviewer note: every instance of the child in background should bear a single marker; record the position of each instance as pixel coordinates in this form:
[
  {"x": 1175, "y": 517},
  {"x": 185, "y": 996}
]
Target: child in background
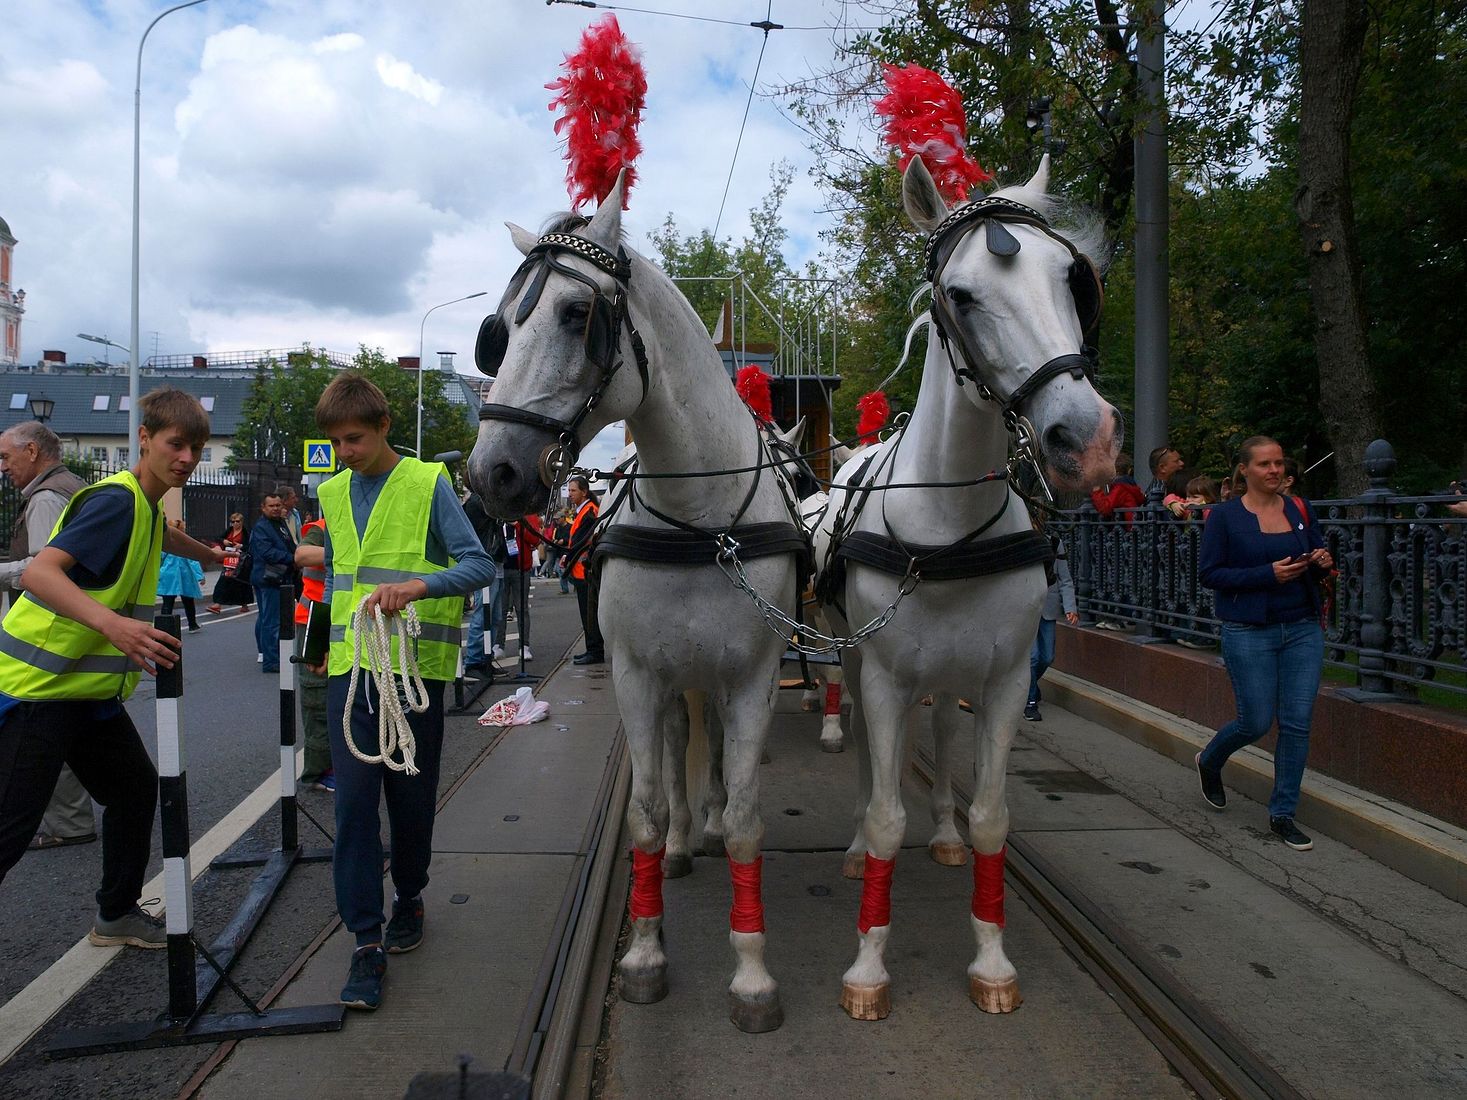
[{"x": 180, "y": 578}]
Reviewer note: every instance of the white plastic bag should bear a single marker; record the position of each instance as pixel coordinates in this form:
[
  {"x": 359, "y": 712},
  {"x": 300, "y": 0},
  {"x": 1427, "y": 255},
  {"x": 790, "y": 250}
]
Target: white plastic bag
[{"x": 519, "y": 709}]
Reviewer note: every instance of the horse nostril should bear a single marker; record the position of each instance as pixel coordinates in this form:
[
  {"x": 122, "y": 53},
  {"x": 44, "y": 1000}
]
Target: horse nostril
[
  {"x": 504, "y": 480},
  {"x": 1059, "y": 439}
]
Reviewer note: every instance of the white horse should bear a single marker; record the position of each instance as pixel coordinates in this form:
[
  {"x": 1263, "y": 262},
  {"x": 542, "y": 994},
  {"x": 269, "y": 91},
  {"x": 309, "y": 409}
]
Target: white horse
[
  {"x": 1010, "y": 314},
  {"x": 669, "y": 629}
]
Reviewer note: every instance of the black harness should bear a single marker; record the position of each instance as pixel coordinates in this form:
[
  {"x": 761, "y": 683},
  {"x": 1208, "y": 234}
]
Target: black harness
[
  {"x": 970, "y": 555},
  {"x": 685, "y": 544}
]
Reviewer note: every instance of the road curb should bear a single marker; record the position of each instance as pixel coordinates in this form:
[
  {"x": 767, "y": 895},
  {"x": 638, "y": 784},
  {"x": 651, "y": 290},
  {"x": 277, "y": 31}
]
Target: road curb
[{"x": 1423, "y": 848}]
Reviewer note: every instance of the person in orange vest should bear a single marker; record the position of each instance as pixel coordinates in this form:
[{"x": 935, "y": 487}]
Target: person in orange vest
[
  {"x": 310, "y": 559},
  {"x": 576, "y": 563}
]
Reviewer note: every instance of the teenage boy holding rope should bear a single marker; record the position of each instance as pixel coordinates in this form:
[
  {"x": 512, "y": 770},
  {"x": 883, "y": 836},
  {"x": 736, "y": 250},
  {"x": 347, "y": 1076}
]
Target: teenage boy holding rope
[
  {"x": 396, "y": 536},
  {"x": 71, "y": 651}
]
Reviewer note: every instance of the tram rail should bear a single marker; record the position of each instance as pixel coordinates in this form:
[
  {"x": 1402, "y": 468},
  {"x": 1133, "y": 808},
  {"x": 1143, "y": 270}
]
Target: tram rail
[{"x": 1212, "y": 1058}]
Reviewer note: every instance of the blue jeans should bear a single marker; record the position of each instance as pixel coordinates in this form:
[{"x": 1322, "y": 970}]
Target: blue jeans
[
  {"x": 267, "y": 626},
  {"x": 478, "y": 615},
  {"x": 1275, "y": 671},
  {"x": 360, "y": 789},
  {"x": 1040, "y": 658}
]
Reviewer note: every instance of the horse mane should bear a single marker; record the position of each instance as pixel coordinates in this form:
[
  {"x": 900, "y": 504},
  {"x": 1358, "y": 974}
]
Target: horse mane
[{"x": 1076, "y": 222}]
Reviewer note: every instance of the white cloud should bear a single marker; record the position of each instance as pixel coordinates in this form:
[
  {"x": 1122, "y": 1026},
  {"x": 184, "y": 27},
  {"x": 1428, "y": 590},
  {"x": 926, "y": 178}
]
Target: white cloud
[{"x": 326, "y": 172}]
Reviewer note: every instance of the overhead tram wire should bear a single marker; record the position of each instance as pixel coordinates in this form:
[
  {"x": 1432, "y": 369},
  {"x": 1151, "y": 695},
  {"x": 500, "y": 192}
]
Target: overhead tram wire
[
  {"x": 764, "y": 25},
  {"x": 754, "y": 83}
]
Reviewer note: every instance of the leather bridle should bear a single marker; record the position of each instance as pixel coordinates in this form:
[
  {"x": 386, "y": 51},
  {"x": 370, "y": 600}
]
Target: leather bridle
[
  {"x": 1085, "y": 291},
  {"x": 607, "y": 317}
]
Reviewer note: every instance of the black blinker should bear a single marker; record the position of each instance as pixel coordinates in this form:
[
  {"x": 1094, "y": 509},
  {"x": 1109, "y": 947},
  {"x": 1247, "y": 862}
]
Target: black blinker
[
  {"x": 599, "y": 337},
  {"x": 491, "y": 345}
]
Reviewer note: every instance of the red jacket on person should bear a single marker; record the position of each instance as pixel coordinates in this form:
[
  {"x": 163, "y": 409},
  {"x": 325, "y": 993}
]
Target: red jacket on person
[{"x": 1122, "y": 494}]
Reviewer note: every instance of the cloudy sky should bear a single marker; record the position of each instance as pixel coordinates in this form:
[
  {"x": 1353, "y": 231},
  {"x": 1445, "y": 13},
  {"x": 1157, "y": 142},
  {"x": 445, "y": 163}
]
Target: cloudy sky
[{"x": 324, "y": 171}]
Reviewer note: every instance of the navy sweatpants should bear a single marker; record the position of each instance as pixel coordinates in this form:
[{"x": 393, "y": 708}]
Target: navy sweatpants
[{"x": 357, "y": 866}]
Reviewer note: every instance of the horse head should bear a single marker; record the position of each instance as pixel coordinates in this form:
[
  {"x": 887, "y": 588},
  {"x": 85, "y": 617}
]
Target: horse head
[
  {"x": 556, "y": 348},
  {"x": 1013, "y": 302}
]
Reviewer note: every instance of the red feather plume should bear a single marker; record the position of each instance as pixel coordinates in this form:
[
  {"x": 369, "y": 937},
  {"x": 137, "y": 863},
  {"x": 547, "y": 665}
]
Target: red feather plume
[
  {"x": 602, "y": 93},
  {"x": 875, "y": 409},
  {"x": 924, "y": 117},
  {"x": 752, "y": 384}
]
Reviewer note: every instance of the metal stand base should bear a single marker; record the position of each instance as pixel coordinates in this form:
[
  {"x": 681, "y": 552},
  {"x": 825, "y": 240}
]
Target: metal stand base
[
  {"x": 1365, "y": 695},
  {"x": 258, "y": 859},
  {"x": 150, "y": 1034}
]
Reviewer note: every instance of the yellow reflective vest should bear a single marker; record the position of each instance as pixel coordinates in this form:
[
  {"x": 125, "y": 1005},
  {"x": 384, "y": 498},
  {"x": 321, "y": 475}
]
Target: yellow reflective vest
[
  {"x": 44, "y": 655},
  {"x": 393, "y": 549}
]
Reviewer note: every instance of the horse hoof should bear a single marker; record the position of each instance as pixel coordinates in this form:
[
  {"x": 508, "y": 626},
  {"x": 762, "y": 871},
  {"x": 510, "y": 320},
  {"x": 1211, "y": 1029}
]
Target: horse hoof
[
  {"x": 1001, "y": 996},
  {"x": 676, "y": 866},
  {"x": 854, "y": 866},
  {"x": 713, "y": 844},
  {"x": 644, "y": 987},
  {"x": 949, "y": 855},
  {"x": 755, "y": 1015},
  {"x": 832, "y": 745},
  {"x": 866, "y": 1002}
]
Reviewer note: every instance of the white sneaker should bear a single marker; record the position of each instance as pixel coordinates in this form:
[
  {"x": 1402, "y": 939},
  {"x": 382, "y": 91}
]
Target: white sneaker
[
  {"x": 526, "y": 654},
  {"x": 498, "y": 652},
  {"x": 259, "y": 658}
]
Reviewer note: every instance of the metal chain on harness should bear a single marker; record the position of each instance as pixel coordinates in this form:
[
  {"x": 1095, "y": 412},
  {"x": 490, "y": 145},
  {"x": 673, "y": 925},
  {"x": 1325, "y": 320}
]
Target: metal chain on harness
[{"x": 393, "y": 730}]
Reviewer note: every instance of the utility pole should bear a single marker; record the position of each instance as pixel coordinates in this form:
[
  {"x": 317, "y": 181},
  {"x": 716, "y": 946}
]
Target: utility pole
[{"x": 1153, "y": 322}]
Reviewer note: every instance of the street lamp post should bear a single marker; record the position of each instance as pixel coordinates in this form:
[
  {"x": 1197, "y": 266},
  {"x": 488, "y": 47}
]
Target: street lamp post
[
  {"x": 421, "y": 327},
  {"x": 137, "y": 120},
  {"x": 42, "y": 407},
  {"x": 102, "y": 340}
]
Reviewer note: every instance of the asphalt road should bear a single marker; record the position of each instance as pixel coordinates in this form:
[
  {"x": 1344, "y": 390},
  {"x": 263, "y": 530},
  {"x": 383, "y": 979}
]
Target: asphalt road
[{"x": 231, "y": 729}]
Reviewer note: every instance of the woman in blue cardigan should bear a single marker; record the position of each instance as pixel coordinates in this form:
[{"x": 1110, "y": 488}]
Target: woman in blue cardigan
[{"x": 1262, "y": 553}]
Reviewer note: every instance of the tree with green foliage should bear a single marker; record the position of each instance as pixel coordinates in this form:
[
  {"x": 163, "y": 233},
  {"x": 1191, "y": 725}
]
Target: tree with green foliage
[{"x": 280, "y": 413}]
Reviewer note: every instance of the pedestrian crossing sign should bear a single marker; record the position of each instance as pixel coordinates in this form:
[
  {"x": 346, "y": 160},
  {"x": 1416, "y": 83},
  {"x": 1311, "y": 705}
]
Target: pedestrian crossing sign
[{"x": 320, "y": 457}]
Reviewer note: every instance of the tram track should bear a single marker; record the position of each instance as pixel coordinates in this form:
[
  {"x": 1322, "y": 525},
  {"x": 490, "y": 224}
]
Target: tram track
[{"x": 1209, "y": 1055}]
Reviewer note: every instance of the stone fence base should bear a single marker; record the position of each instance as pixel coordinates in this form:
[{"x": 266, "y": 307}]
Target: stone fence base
[{"x": 1412, "y": 753}]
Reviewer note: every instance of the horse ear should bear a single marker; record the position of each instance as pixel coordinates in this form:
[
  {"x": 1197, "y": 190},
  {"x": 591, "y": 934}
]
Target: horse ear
[
  {"x": 605, "y": 227},
  {"x": 1039, "y": 182},
  {"x": 794, "y": 435},
  {"x": 523, "y": 239},
  {"x": 920, "y": 197}
]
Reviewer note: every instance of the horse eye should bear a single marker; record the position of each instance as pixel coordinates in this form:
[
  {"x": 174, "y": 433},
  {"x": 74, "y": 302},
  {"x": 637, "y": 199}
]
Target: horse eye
[
  {"x": 959, "y": 297},
  {"x": 575, "y": 313}
]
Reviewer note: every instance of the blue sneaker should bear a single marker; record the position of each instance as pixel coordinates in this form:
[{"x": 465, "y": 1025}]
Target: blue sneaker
[
  {"x": 405, "y": 929},
  {"x": 363, "y": 988},
  {"x": 326, "y": 781}
]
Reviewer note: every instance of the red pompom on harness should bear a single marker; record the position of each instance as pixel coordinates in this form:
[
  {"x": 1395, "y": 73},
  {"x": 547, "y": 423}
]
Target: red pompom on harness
[
  {"x": 875, "y": 409},
  {"x": 602, "y": 92},
  {"x": 875, "y": 893},
  {"x": 925, "y": 118},
  {"x": 832, "y": 699},
  {"x": 646, "y": 900},
  {"x": 747, "y": 914},
  {"x": 988, "y": 886},
  {"x": 752, "y": 384}
]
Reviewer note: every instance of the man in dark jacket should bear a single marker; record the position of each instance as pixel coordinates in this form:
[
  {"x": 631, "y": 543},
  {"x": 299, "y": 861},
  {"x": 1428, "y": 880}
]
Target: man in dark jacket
[{"x": 273, "y": 551}]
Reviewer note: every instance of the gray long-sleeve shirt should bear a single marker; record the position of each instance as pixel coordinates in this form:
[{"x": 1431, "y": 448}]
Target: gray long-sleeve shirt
[
  {"x": 450, "y": 538},
  {"x": 1061, "y": 594}
]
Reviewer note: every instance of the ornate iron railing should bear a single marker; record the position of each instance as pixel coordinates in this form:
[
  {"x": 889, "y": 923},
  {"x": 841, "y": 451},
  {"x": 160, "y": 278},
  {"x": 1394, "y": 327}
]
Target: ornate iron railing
[{"x": 1398, "y": 615}]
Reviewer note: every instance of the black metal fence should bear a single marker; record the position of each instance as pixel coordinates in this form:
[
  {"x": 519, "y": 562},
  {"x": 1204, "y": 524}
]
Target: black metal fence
[
  {"x": 1398, "y": 617},
  {"x": 208, "y": 499}
]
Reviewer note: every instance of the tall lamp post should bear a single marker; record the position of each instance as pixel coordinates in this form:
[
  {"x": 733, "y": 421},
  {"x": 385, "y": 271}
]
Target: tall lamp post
[
  {"x": 103, "y": 340},
  {"x": 137, "y": 120},
  {"x": 421, "y": 327}
]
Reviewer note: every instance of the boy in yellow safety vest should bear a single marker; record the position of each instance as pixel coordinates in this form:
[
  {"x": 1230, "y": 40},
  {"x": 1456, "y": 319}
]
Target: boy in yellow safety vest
[
  {"x": 395, "y": 535},
  {"x": 72, "y": 649}
]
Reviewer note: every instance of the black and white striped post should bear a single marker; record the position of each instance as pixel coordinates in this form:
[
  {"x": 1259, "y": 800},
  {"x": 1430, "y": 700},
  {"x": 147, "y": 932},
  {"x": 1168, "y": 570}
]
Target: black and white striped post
[
  {"x": 178, "y": 880},
  {"x": 189, "y": 991},
  {"x": 288, "y": 834}
]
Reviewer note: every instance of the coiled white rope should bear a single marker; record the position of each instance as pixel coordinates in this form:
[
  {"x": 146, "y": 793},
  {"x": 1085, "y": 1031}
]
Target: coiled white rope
[{"x": 393, "y": 731}]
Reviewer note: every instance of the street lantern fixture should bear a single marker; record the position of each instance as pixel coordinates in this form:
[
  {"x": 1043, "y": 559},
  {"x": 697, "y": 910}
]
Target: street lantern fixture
[
  {"x": 440, "y": 305},
  {"x": 42, "y": 407}
]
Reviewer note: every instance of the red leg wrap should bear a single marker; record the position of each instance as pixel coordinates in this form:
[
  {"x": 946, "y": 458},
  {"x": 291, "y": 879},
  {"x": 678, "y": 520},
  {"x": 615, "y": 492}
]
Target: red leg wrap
[
  {"x": 747, "y": 914},
  {"x": 988, "y": 886},
  {"x": 832, "y": 699},
  {"x": 646, "y": 884},
  {"x": 876, "y": 893}
]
